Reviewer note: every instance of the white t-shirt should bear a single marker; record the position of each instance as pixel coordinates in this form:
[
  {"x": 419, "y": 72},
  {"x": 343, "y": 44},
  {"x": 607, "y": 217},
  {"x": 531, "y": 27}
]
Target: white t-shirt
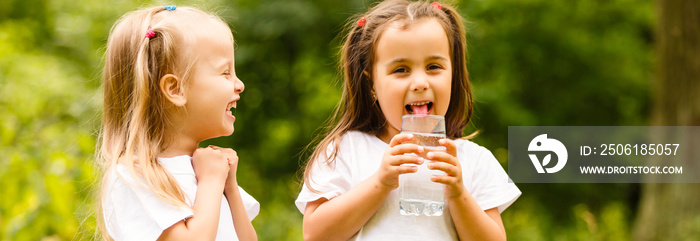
[
  {"x": 132, "y": 212},
  {"x": 360, "y": 156}
]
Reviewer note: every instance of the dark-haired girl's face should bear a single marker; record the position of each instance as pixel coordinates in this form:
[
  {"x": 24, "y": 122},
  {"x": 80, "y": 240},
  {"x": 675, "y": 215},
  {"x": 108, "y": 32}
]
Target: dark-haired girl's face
[{"x": 412, "y": 73}]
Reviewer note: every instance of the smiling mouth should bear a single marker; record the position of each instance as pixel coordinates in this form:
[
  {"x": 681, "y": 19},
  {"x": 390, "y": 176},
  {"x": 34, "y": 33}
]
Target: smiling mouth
[
  {"x": 419, "y": 108},
  {"x": 231, "y": 107}
]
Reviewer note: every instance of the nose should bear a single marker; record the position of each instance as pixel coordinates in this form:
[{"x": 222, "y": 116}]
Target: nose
[
  {"x": 239, "y": 85},
  {"x": 419, "y": 82}
]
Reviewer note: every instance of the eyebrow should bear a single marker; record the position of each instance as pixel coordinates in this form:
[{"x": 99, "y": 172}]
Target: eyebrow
[
  {"x": 400, "y": 60},
  {"x": 222, "y": 64},
  {"x": 437, "y": 57}
]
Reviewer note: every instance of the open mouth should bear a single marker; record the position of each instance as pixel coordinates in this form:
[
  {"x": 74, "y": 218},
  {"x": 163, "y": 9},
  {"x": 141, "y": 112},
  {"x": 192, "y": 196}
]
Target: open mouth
[
  {"x": 231, "y": 108},
  {"x": 419, "y": 108}
]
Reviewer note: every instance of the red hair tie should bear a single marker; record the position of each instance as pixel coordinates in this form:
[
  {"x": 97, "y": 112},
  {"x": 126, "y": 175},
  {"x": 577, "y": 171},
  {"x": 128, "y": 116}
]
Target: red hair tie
[
  {"x": 150, "y": 33},
  {"x": 436, "y": 5},
  {"x": 361, "y": 22}
]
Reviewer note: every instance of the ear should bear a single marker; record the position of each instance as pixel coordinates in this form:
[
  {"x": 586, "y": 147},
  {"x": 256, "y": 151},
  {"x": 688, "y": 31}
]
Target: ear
[
  {"x": 171, "y": 87},
  {"x": 372, "y": 91}
]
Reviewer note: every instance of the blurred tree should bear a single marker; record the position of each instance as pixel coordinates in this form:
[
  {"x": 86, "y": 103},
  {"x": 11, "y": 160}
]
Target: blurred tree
[
  {"x": 560, "y": 63},
  {"x": 47, "y": 122},
  {"x": 671, "y": 211}
]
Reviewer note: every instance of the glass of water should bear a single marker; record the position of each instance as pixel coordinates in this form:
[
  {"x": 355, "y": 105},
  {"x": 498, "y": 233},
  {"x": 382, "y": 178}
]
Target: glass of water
[{"x": 418, "y": 195}]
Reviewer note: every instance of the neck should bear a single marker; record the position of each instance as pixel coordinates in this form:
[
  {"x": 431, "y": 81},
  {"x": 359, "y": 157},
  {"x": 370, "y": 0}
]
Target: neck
[
  {"x": 388, "y": 133},
  {"x": 179, "y": 146},
  {"x": 179, "y": 141}
]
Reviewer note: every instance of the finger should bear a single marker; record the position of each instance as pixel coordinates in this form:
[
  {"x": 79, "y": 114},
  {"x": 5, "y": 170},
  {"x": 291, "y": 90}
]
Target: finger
[
  {"x": 450, "y": 145},
  {"x": 442, "y": 157},
  {"x": 447, "y": 180},
  {"x": 406, "y": 169},
  {"x": 405, "y": 159},
  {"x": 204, "y": 149},
  {"x": 406, "y": 148},
  {"x": 228, "y": 151},
  {"x": 233, "y": 160},
  {"x": 213, "y": 148},
  {"x": 232, "y": 155},
  {"x": 400, "y": 138},
  {"x": 221, "y": 149},
  {"x": 449, "y": 170}
]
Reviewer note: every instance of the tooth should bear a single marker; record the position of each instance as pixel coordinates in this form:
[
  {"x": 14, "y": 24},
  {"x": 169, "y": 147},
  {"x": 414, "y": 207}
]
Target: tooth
[{"x": 420, "y": 103}]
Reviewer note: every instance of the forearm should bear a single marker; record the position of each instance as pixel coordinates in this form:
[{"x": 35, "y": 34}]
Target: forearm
[
  {"x": 241, "y": 221},
  {"x": 343, "y": 216},
  {"x": 207, "y": 206},
  {"x": 473, "y": 223},
  {"x": 205, "y": 221}
]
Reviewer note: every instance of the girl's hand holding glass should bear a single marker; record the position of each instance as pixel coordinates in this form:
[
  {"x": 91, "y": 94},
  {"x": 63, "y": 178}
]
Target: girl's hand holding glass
[
  {"x": 447, "y": 162},
  {"x": 394, "y": 157}
]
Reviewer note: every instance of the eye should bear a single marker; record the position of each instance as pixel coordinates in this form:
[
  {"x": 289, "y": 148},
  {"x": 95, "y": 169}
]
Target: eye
[
  {"x": 400, "y": 70},
  {"x": 434, "y": 67},
  {"x": 226, "y": 73}
]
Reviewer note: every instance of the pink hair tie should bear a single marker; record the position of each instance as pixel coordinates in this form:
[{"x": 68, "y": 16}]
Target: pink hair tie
[
  {"x": 150, "y": 33},
  {"x": 436, "y": 5},
  {"x": 361, "y": 22}
]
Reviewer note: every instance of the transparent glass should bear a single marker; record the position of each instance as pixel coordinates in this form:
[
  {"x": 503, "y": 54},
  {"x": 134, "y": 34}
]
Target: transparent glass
[{"x": 418, "y": 195}]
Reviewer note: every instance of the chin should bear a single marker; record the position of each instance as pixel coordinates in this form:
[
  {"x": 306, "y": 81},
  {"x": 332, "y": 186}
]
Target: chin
[
  {"x": 229, "y": 131},
  {"x": 224, "y": 132}
]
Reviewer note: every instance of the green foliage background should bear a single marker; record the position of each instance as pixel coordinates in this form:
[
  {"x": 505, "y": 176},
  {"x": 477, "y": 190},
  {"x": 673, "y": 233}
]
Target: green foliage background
[{"x": 532, "y": 62}]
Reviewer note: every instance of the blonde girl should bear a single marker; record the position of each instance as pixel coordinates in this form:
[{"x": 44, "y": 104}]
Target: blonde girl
[
  {"x": 402, "y": 58},
  {"x": 169, "y": 83}
]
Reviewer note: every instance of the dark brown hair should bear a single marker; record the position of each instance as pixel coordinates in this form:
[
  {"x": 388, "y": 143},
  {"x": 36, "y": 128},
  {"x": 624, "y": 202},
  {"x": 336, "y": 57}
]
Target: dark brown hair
[{"x": 357, "y": 109}]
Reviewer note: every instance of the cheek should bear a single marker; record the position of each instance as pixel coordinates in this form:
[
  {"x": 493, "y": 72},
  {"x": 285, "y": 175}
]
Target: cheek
[
  {"x": 393, "y": 116},
  {"x": 389, "y": 96},
  {"x": 390, "y": 100},
  {"x": 444, "y": 96},
  {"x": 444, "y": 104}
]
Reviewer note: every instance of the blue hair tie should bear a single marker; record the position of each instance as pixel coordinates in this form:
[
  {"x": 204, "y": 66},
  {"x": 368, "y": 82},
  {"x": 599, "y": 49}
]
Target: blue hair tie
[{"x": 170, "y": 7}]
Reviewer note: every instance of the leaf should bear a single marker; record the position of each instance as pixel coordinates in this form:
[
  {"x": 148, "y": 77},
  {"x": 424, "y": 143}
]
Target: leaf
[{"x": 546, "y": 160}]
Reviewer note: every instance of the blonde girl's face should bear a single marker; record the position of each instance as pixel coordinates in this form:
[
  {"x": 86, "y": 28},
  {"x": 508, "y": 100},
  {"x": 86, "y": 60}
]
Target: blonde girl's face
[
  {"x": 412, "y": 73},
  {"x": 214, "y": 89}
]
